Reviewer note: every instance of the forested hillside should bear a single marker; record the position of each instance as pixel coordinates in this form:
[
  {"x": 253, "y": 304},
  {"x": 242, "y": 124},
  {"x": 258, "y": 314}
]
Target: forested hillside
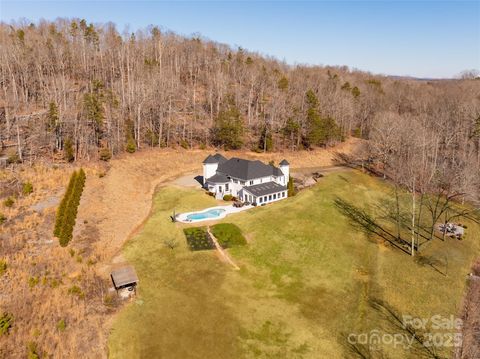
[{"x": 73, "y": 90}]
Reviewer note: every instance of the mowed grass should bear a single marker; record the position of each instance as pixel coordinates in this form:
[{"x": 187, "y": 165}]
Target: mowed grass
[{"x": 307, "y": 280}]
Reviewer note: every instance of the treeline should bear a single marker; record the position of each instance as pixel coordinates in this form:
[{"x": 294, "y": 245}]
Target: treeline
[
  {"x": 67, "y": 211},
  {"x": 75, "y": 90}
]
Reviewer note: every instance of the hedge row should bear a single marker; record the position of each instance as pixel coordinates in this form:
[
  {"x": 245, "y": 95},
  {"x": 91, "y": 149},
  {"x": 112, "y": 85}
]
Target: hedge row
[{"x": 67, "y": 211}]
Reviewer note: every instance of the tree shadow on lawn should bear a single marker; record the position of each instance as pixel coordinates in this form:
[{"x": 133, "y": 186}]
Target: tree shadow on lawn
[
  {"x": 391, "y": 325},
  {"x": 360, "y": 219},
  {"x": 387, "y": 209}
]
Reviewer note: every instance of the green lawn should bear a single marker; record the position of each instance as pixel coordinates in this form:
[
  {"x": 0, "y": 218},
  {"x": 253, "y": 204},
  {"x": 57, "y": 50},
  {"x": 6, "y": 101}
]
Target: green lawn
[{"x": 308, "y": 278}]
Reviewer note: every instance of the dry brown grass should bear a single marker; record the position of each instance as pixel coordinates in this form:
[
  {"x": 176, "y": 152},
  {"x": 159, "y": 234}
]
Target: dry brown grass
[{"x": 116, "y": 201}]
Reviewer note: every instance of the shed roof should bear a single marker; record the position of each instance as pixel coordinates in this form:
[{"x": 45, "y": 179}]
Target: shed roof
[
  {"x": 284, "y": 163},
  {"x": 124, "y": 276},
  {"x": 263, "y": 189}
]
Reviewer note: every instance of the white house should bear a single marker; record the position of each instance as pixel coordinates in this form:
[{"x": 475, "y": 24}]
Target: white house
[{"x": 249, "y": 181}]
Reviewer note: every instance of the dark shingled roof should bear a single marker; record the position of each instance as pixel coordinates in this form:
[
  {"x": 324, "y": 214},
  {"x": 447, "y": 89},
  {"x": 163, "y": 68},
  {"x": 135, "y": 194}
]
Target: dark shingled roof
[
  {"x": 216, "y": 158},
  {"x": 263, "y": 189},
  {"x": 277, "y": 171},
  {"x": 218, "y": 178},
  {"x": 246, "y": 170},
  {"x": 124, "y": 276},
  {"x": 284, "y": 163}
]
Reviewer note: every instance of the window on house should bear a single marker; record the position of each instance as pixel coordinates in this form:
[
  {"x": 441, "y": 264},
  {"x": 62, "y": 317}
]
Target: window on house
[
  {"x": 242, "y": 183},
  {"x": 265, "y": 199},
  {"x": 275, "y": 196},
  {"x": 260, "y": 199},
  {"x": 251, "y": 182},
  {"x": 270, "y": 197},
  {"x": 235, "y": 181},
  {"x": 226, "y": 187}
]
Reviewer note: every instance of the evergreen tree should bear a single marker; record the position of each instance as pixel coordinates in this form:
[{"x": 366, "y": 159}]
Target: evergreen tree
[
  {"x": 265, "y": 143},
  {"x": 283, "y": 83},
  {"x": 320, "y": 130},
  {"x": 355, "y": 92},
  {"x": 228, "y": 129},
  {"x": 346, "y": 86},
  {"x": 290, "y": 187},
  {"x": 291, "y": 130},
  {"x": 67, "y": 212},
  {"x": 68, "y": 151},
  {"x": 93, "y": 108},
  {"x": 131, "y": 146},
  {"x": 54, "y": 124},
  {"x": 52, "y": 117},
  {"x": 59, "y": 220}
]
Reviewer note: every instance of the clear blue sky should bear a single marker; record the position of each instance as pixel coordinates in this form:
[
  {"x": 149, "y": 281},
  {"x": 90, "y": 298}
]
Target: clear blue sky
[{"x": 423, "y": 39}]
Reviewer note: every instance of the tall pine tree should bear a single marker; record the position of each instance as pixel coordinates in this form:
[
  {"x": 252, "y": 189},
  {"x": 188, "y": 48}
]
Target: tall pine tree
[{"x": 228, "y": 129}]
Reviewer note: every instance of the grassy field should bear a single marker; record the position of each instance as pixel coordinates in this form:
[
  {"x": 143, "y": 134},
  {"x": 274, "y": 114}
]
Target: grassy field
[{"x": 308, "y": 279}]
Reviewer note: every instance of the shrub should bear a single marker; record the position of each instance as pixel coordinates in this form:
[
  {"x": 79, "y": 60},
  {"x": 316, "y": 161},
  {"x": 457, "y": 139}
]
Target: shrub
[
  {"x": 77, "y": 291},
  {"x": 13, "y": 158},
  {"x": 6, "y": 322},
  {"x": 3, "y": 266},
  {"x": 228, "y": 235},
  {"x": 228, "y": 197},
  {"x": 184, "y": 144},
  {"x": 170, "y": 243},
  {"x": 33, "y": 281},
  {"x": 32, "y": 351},
  {"x": 131, "y": 146},
  {"x": 9, "y": 202},
  {"x": 61, "y": 325},
  {"x": 3, "y": 218},
  {"x": 105, "y": 154},
  {"x": 109, "y": 300},
  {"x": 27, "y": 188}
]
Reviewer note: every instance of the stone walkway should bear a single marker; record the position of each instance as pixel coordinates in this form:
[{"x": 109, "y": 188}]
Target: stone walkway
[{"x": 222, "y": 252}]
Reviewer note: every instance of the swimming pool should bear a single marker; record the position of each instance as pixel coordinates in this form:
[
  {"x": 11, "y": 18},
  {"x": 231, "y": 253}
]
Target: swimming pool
[{"x": 213, "y": 213}]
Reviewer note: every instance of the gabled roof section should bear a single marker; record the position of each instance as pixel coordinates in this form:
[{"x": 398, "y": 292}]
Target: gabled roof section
[
  {"x": 264, "y": 189},
  {"x": 218, "y": 178},
  {"x": 284, "y": 163},
  {"x": 216, "y": 158},
  {"x": 245, "y": 169}
]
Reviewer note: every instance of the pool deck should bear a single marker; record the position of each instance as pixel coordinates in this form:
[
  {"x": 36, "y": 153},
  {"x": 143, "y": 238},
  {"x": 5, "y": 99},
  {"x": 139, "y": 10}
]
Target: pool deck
[{"x": 182, "y": 217}]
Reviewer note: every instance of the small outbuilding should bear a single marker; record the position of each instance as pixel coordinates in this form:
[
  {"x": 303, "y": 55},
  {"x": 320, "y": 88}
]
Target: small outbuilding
[{"x": 124, "y": 279}]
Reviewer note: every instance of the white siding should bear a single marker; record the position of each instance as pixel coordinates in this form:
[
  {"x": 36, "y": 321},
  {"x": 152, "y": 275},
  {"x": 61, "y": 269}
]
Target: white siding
[{"x": 209, "y": 169}]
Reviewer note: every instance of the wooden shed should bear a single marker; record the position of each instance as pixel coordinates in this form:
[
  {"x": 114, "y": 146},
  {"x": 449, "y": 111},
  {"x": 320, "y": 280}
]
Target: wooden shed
[{"x": 124, "y": 277}]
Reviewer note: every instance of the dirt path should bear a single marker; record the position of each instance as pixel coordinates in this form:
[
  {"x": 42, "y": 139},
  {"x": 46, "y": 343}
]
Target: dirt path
[{"x": 223, "y": 254}]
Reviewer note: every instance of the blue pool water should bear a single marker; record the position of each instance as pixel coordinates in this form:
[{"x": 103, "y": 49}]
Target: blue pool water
[{"x": 210, "y": 214}]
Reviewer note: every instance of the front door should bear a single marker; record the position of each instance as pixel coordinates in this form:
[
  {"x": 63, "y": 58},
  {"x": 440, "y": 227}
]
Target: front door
[{"x": 220, "y": 189}]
